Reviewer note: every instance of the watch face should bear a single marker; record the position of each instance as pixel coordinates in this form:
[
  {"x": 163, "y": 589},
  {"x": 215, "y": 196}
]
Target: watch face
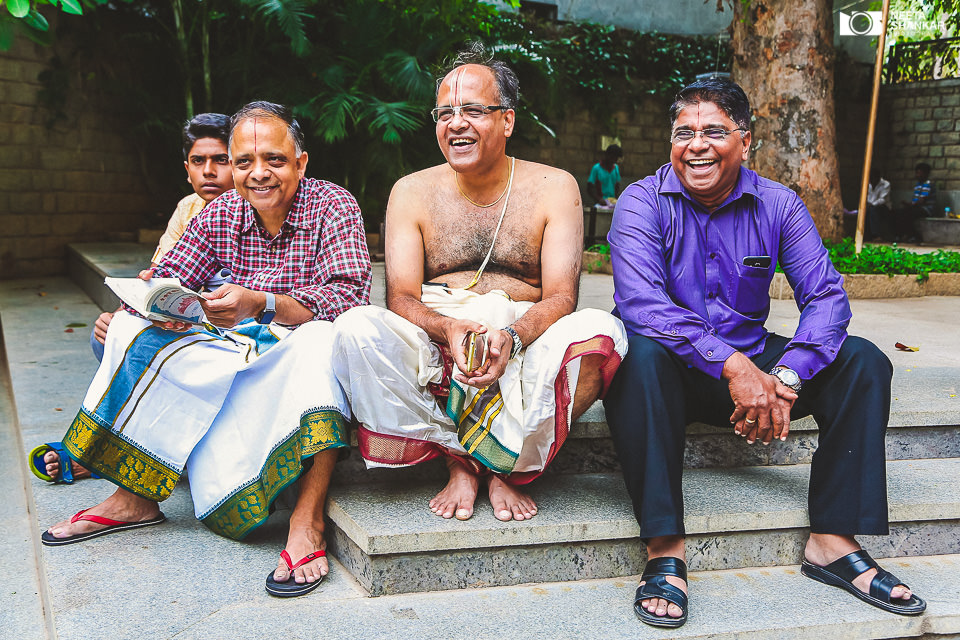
[{"x": 789, "y": 377}]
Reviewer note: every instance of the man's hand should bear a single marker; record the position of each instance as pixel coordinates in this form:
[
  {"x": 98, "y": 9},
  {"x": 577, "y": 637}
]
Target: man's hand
[
  {"x": 762, "y": 404},
  {"x": 101, "y": 325},
  {"x": 499, "y": 344},
  {"x": 169, "y": 325},
  {"x": 230, "y": 304}
]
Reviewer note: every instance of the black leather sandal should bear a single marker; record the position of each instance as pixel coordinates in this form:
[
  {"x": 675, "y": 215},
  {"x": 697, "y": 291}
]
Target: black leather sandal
[
  {"x": 842, "y": 572},
  {"x": 656, "y": 586}
]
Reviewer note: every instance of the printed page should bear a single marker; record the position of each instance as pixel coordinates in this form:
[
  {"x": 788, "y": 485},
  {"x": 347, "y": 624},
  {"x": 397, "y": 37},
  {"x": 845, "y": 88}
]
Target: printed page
[{"x": 159, "y": 299}]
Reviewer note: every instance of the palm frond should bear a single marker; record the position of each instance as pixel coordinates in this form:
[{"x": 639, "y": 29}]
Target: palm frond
[
  {"x": 392, "y": 118},
  {"x": 290, "y": 16}
]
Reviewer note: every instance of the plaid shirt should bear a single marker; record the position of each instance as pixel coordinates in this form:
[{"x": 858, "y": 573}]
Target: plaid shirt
[{"x": 319, "y": 258}]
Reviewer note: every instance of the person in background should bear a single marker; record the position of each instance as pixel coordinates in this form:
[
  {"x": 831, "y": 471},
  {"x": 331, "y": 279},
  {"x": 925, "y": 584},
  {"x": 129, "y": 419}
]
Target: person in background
[
  {"x": 921, "y": 206},
  {"x": 604, "y": 180}
]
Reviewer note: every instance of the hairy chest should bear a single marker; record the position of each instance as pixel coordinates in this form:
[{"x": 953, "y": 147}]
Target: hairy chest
[{"x": 459, "y": 241}]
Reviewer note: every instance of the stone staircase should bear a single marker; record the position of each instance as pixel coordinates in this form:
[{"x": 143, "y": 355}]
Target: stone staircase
[
  {"x": 745, "y": 511},
  {"x": 745, "y": 506}
]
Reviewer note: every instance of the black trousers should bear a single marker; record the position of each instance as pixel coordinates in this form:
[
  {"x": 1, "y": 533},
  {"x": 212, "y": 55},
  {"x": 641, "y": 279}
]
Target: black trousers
[{"x": 655, "y": 395}]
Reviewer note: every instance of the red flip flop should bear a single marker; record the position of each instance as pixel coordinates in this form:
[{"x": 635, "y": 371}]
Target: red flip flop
[
  {"x": 113, "y": 526},
  {"x": 291, "y": 588}
]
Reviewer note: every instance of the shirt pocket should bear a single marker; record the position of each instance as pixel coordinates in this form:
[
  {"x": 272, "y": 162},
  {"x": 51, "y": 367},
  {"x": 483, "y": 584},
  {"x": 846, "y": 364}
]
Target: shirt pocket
[{"x": 752, "y": 289}]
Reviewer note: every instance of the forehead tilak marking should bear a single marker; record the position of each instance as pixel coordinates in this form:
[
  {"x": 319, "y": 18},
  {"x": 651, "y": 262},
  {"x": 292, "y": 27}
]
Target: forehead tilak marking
[{"x": 457, "y": 85}]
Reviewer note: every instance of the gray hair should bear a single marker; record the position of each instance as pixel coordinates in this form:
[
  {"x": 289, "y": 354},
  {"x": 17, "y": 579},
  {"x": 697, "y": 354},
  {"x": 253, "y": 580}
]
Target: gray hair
[
  {"x": 262, "y": 108},
  {"x": 508, "y": 86}
]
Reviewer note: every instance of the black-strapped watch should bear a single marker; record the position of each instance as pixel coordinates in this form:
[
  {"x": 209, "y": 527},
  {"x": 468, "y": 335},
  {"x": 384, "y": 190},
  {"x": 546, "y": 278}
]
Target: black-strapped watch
[
  {"x": 787, "y": 376},
  {"x": 269, "y": 309},
  {"x": 517, "y": 343}
]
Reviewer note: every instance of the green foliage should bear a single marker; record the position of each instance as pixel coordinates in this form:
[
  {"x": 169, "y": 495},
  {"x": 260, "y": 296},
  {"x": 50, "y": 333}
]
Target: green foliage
[
  {"x": 22, "y": 16},
  {"x": 603, "y": 248},
  {"x": 874, "y": 259},
  {"x": 360, "y": 75},
  {"x": 882, "y": 259}
]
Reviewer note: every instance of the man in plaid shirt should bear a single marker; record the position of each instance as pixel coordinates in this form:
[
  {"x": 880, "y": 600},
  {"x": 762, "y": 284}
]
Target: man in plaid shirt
[{"x": 241, "y": 410}]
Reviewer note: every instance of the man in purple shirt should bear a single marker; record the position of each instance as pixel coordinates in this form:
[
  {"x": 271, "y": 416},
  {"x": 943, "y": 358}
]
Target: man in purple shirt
[{"x": 694, "y": 248}]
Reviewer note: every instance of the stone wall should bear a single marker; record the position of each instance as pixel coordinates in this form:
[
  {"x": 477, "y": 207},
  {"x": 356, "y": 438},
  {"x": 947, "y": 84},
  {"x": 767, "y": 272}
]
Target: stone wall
[
  {"x": 79, "y": 180},
  {"x": 643, "y": 133},
  {"x": 920, "y": 122}
]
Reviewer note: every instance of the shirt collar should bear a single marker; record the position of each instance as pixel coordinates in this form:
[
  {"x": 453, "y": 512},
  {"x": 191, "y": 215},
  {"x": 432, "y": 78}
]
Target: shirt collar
[
  {"x": 295, "y": 217},
  {"x": 746, "y": 184}
]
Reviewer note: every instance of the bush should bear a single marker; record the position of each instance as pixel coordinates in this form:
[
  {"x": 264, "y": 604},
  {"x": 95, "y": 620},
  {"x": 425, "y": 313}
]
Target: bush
[{"x": 875, "y": 259}]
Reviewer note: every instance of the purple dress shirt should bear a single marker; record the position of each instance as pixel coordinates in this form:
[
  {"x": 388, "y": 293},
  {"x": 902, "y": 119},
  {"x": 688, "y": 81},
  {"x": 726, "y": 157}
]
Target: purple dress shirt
[{"x": 680, "y": 278}]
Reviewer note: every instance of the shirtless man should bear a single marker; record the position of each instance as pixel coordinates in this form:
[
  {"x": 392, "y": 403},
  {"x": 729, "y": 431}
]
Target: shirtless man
[{"x": 406, "y": 370}]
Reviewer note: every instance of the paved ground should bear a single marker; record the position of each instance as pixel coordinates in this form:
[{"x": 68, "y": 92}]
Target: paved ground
[{"x": 179, "y": 580}]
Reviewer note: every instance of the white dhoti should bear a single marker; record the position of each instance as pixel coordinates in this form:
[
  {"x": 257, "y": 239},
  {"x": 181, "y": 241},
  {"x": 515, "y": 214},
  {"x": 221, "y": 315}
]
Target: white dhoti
[
  {"x": 395, "y": 379},
  {"x": 240, "y": 413}
]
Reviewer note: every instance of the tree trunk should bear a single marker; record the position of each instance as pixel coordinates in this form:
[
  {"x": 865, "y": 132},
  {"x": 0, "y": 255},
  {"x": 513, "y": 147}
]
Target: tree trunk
[
  {"x": 783, "y": 58},
  {"x": 184, "y": 48}
]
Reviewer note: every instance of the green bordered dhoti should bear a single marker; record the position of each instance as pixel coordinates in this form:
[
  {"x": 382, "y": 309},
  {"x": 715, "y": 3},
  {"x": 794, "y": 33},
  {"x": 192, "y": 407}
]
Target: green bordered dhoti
[{"x": 239, "y": 413}]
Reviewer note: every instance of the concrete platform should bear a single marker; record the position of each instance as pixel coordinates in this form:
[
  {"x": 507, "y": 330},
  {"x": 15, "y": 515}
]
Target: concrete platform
[
  {"x": 742, "y": 517},
  {"x": 180, "y": 580}
]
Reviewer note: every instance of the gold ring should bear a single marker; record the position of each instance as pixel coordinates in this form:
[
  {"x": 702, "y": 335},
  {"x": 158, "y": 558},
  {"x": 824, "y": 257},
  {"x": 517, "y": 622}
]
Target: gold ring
[{"x": 749, "y": 421}]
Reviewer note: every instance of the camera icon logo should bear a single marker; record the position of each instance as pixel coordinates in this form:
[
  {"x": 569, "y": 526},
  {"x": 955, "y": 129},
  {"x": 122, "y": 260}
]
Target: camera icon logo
[{"x": 861, "y": 23}]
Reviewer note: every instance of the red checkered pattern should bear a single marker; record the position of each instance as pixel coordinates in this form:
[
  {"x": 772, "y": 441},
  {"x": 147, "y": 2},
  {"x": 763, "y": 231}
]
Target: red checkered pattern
[{"x": 319, "y": 258}]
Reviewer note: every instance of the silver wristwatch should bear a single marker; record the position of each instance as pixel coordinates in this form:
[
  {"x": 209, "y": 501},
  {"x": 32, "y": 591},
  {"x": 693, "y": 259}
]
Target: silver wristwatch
[
  {"x": 788, "y": 377},
  {"x": 517, "y": 343}
]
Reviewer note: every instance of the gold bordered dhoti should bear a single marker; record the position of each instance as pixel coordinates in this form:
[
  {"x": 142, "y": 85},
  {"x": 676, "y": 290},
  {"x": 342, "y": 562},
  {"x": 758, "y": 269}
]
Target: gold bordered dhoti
[{"x": 239, "y": 413}]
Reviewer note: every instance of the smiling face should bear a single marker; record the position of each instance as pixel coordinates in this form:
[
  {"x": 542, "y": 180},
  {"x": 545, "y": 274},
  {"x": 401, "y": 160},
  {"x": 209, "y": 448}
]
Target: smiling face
[
  {"x": 473, "y": 145},
  {"x": 709, "y": 170},
  {"x": 266, "y": 168},
  {"x": 208, "y": 168}
]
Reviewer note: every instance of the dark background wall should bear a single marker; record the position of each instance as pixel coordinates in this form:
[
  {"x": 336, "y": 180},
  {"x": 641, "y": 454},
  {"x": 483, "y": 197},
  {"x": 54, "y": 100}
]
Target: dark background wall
[{"x": 77, "y": 180}]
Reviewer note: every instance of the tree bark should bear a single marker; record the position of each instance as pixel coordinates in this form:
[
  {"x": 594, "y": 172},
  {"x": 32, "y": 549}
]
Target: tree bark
[{"x": 783, "y": 58}]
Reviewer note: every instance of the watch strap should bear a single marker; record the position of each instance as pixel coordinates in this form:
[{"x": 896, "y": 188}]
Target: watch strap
[
  {"x": 269, "y": 309},
  {"x": 517, "y": 343},
  {"x": 777, "y": 370}
]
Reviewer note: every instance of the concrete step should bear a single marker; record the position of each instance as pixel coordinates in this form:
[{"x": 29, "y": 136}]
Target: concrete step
[
  {"x": 589, "y": 448},
  {"x": 88, "y": 263},
  {"x": 585, "y": 528},
  {"x": 923, "y": 419},
  {"x": 24, "y": 599},
  {"x": 742, "y": 604}
]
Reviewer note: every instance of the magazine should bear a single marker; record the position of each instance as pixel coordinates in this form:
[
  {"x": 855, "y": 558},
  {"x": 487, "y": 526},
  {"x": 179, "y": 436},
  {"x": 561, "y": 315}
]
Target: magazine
[{"x": 162, "y": 299}]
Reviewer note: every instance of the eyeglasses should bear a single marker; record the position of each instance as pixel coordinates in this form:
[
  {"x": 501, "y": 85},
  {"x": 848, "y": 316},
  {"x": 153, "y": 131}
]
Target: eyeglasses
[
  {"x": 468, "y": 111},
  {"x": 682, "y": 137}
]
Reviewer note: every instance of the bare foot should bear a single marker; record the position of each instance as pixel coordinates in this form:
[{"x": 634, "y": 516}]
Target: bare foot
[
  {"x": 122, "y": 505},
  {"x": 301, "y": 542},
  {"x": 52, "y": 461},
  {"x": 822, "y": 549},
  {"x": 508, "y": 503},
  {"x": 458, "y": 496},
  {"x": 671, "y": 547}
]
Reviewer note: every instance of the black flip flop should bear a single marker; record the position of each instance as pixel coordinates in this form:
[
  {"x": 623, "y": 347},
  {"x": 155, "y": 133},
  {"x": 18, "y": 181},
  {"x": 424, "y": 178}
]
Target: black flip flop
[
  {"x": 842, "y": 572},
  {"x": 291, "y": 588},
  {"x": 115, "y": 526},
  {"x": 656, "y": 586}
]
